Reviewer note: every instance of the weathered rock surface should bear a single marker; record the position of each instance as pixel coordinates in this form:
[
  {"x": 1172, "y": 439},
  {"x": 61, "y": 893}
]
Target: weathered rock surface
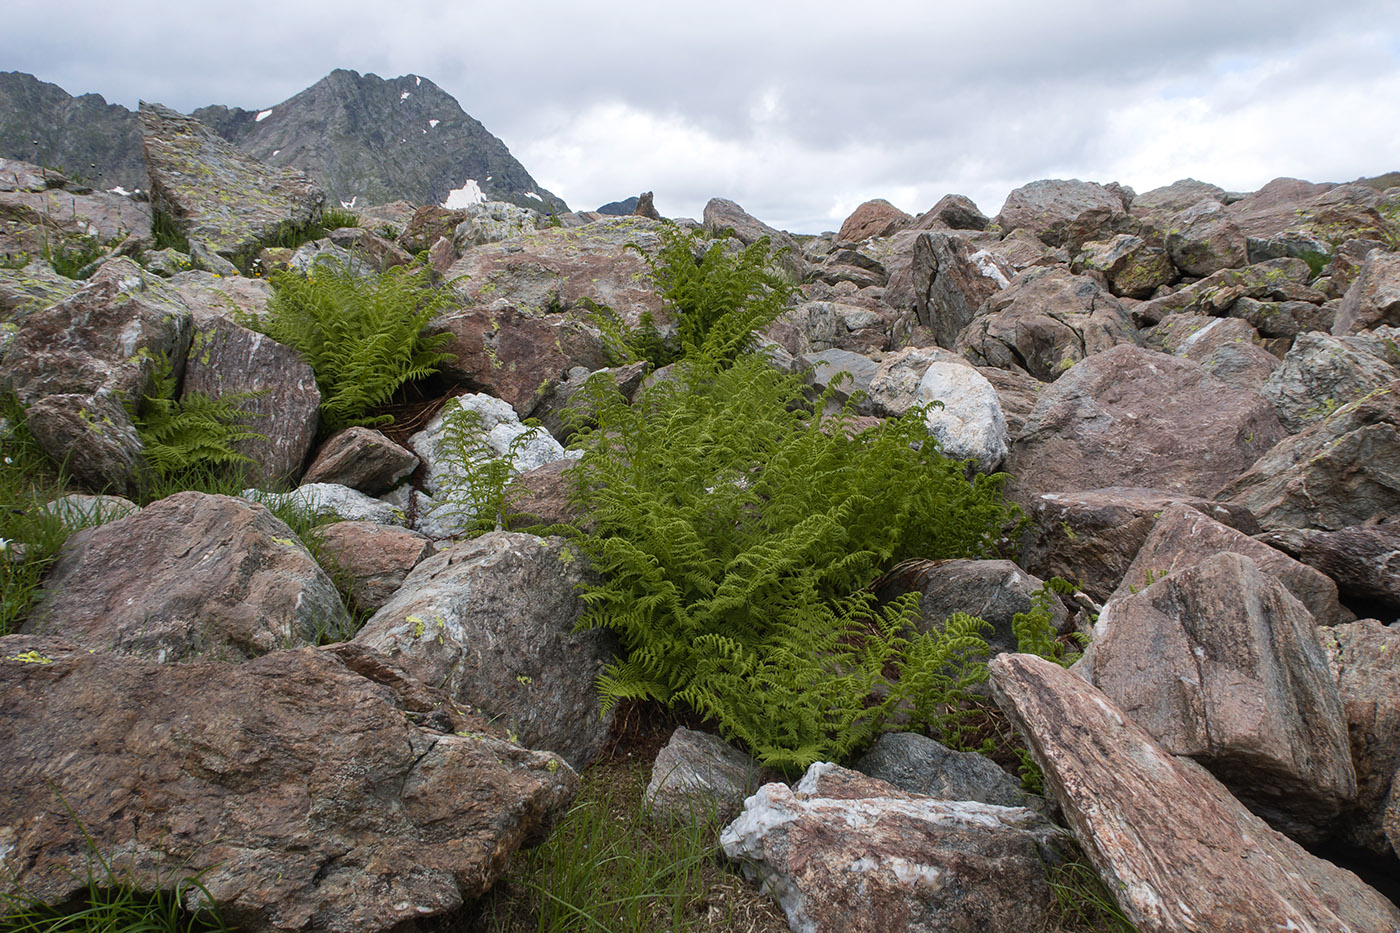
[
  {"x": 1204, "y": 238},
  {"x": 541, "y": 496},
  {"x": 1227, "y": 347},
  {"x": 953, "y": 210},
  {"x": 917, "y": 764},
  {"x": 1177, "y": 196},
  {"x": 1364, "y": 561},
  {"x": 373, "y": 559},
  {"x": 966, "y": 421},
  {"x": 329, "y": 500},
  {"x": 557, "y": 410},
  {"x": 1275, "y": 280},
  {"x": 491, "y": 222},
  {"x": 1177, "y": 849},
  {"x": 191, "y": 575},
  {"x": 1342, "y": 471},
  {"x": 992, "y": 590},
  {"x": 1044, "y": 322},
  {"x": 1133, "y": 269},
  {"x": 1092, "y": 537},
  {"x": 281, "y": 398},
  {"x": 32, "y": 287},
  {"x": 877, "y": 218},
  {"x": 79, "y": 511},
  {"x": 1374, "y": 298},
  {"x": 492, "y": 621},
  {"x": 699, "y": 776},
  {"x": 1063, "y": 212},
  {"x": 845, "y": 852},
  {"x": 1219, "y": 662},
  {"x": 1132, "y": 417},
  {"x": 92, "y": 436},
  {"x": 1320, "y": 374},
  {"x": 1184, "y": 536},
  {"x": 308, "y": 790},
  {"x": 721, "y": 214},
  {"x": 951, "y": 280},
  {"x": 1365, "y": 662},
  {"x": 894, "y": 387},
  {"x": 216, "y": 194},
  {"x": 362, "y": 459}
]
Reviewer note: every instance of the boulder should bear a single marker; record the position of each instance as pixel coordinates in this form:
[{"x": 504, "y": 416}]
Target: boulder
[
  {"x": 1289, "y": 217},
  {"x": 1364, "y": 561},
  {"x": 214, "y": 193},
  {"x": 1184, "y": 536},
  {"x": 877, "y": 218},
  {"x": 964, "y": 415},
  {"x": 280, "y": 399},
  {"x": 92, "y": 436},
  {"x": 316, "y": 501},
  {"x": 514, "y": 354},
  {"x": 52, "y": 218},
  {"x": 491, "y": 222},
  {"x": 1276, "y": 280},
  {"x": 1091, "y": 537},
  {"x": 208, "y": 295},
  {"x": 541, "y": 497},
  {"x": 1132, "y": 417},
  {"x": 1320, "y": 374},
  {"x": 1365, "y": 664},
  {"x": 721, "y": 215},
  {"x": 558, "y": 409},
  {"x": 192, "y": 575},
  {"x": 1177, "y": 196},
  {"x": 1342, "y": 471},
  {"x": 564, "y": 268},
  {"x": 993, "y": 590},
  {"x": 701, "y": 777},
  {"x": 32, "y": 287},
  {"x": 848, "y": 372},
  {"x": 1133, "y": 269},
  {"x": 1022, "y": 250},
  {"x": 1226, "y": 347},
  {"x": 1044, "y": 322},
  {"x": 894, "y": 386},
  {"x": 492, "y": 620},
  {"x": 952, "y": 210},
  {"x": 1176, "y": 848},
  {"x": 1285, "y": 318},
  {"x": 78, "y": 511},
  {"x": 846, "y": 852},
  {"x": 369, "y": 248},
  {"x": 429, "y": 224},
  {"x": 1218, "y": 661},
  {"x": 917, "y": 764},
  {"x": 1064, "y": 213},
  {"x": 363, "y": 459},
  {"x": 1374, "y": 298},
  {"x": 1204, "y": 238},
  {"x": 305, "y": 790},
  {"x": 951, "y": 280},
  {"x": 372, "y": 560}
]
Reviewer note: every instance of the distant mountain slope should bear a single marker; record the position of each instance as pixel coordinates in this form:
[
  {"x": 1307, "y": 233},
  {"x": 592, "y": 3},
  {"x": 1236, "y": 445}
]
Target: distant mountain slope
[
  {"x": 96, "y": 142},
  {"x": 362, "y": 137},
  {"x": 375, "y": 140}
]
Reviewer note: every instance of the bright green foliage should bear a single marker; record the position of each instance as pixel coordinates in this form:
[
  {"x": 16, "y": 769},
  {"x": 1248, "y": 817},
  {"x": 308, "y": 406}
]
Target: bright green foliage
[
  {"x": 737, "y": 530},
  {"x": 721, "y": 294},
  {"x": 361, "y": 333},
  {"x": 1034, "y": 628},
  {"x": 195, "y": 430},
  {"x": 476, "y": 486}
]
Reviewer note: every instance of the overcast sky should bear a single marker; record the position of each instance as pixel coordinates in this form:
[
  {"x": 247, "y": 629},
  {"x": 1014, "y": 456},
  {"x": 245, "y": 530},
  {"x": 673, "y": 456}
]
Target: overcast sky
[{"x": 798, "y": 111}]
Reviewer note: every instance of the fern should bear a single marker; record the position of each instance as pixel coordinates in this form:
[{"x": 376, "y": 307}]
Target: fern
[
  {"x": 1034, "y": 629},
  {"x": 475, "y": 489},
  {"x": 362, "y": 334},
  {"x": 736, "y": 531},
  {"x": 193, "y": 431}
]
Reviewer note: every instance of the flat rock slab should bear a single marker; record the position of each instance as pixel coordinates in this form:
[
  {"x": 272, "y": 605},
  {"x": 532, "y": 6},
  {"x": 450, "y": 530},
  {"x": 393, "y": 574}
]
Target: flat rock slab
[
  {"x": 1364, "y": 561},
  {"x": 315, "y": 789},
  {"x": 214, "y": 192},
  {"x": 190, "y": 575},
  {"x": 491, "y": 621},
  {"x": 1217, "y": 661},
  {"x": 846, "y": 853},
  {"x": 1178, "y": 851},
  {"x": 1133, "y": 417}
]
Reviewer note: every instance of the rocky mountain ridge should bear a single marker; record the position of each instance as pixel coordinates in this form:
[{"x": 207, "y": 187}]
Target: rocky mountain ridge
[
  {"x": 367, "y": 140},
  {"x": 1196, "y": 395}
]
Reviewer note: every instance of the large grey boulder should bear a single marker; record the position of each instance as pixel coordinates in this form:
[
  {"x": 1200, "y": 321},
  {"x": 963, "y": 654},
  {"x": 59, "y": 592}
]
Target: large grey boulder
[
  {"x": 1132, "y": 267},
  {"x": 1044, "y": 322},
  {"x": 1204, "y": 238},
  {"x": 306, "y": 790},
  {"x": 1183, "y": 536},
  {"x": 846, "y": 852},
  {"x": 331, "y": 501},
  {"x": 493, "y": 221},
  {"x": 1132, "y": 417},
  {"x": 216, "y": 194},
  {"x": 1229, "y": 348},
  {"x": 1342, "y": 471},
  {"x": 1219, "y": 662},
  {"x": 1320, "y": 374},
  {"x": 916, "y": 764},
  {"x": 1365, "y": 663},
  {"x": 1173, "y": 845},
  {"x": 192, "y": 575},
  {"x": 92, "y": 436},
  {"x": 492, "y": 621},
  {"x": 1091, "y": 537},
  {"x": 722, "y": 215},
  {"x": 281, "y": 399},
  {"x": 698, "y": 776},
  {"x": 964, "y": 415},
  {"x": 1177, "y": 196},
  {"x": 1064, "y": 212}
]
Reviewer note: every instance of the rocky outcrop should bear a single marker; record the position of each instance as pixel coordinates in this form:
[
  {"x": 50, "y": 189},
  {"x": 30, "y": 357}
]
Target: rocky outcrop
[
  {"x": 1320, "y": 374},
  {"x": 1107, "y": 422},
  {"x": 1373, "y": 298},
  {"x": 877, "y": 218},
  {"x": 492, "y": 621},
  {"x": 951, "y": 280},
  {"x": 1178, "y": 849},
  {"x": 846, "y": 852},
  {"x": 190, "y": 576},
  {"x": 1064, "y": 212},
  {"x": 307, "y": 790},
  {"x": 1219, "y": 662},
  {"x": 217, "y": 196}
]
